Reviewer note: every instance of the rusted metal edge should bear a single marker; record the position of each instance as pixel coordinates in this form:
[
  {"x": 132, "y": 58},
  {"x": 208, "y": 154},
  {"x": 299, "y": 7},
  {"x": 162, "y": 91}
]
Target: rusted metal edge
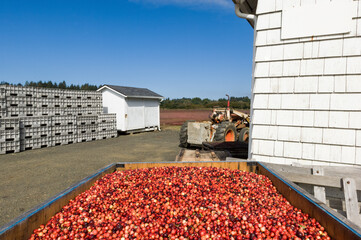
[{"x": 4, "y": 230}]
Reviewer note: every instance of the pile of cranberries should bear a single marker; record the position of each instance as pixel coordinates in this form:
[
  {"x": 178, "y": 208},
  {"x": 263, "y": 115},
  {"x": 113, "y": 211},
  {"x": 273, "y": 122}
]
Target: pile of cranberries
[{"x": 181, "y": 203}]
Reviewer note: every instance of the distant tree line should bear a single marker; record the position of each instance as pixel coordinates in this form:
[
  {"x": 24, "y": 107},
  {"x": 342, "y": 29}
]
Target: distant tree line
[
  {"x": 50, "y": 84},
  {"x": 197, "y": 103}
]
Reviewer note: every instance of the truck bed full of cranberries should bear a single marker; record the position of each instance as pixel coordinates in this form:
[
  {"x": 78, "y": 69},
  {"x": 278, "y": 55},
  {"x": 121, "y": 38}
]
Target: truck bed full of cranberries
[{"x": 181, "y": 203}]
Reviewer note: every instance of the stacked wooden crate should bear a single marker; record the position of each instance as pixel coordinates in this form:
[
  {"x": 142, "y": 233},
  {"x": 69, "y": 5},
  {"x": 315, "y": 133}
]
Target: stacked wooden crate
[
  {"x": 87, "y": 128},
  {"x": 20, "y": 101},
  {"x": 34, "y": 118},
  {"x": 64, "y": 129},
  {"x": 35, "y": 132},
  {"x": 107, "y": 127},
  {"x": 9, "y": 135},
  {"x": 2, "y": 103}
]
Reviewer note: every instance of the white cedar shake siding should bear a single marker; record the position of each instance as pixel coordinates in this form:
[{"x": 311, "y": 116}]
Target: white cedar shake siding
[{"x": 307, "y": 89}]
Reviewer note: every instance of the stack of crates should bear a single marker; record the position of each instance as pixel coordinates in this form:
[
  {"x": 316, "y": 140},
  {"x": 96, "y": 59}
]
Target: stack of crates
[
  {"x": 82, "y": 103},
  {"x": 87, "y": 128},
  {"x": 9, "y": 135},
  {"x": 92, "y": 103},
  {"x": 50, "y": 102},
  {"x": 21, "y": 101},
  {"x": 2, "y": 103},
  {"x": 35, "y": 132},
  {"x": 107, "y": 127},
  {"x": 64, "y": 129},
  {"x": 72, "y": 102},
  {"x": 32, "y": 118}
]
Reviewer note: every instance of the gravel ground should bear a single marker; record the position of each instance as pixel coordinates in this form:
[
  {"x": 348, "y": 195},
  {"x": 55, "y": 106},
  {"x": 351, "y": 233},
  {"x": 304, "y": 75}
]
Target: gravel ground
[{"x": 30, "y": 178}]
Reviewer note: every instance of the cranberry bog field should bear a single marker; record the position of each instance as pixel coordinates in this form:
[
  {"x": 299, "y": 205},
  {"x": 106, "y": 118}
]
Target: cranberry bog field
[{"x": 176, "y": 117}]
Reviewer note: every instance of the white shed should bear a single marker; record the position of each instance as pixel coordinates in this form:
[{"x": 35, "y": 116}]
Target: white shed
[{"x": 137, "y": 109}]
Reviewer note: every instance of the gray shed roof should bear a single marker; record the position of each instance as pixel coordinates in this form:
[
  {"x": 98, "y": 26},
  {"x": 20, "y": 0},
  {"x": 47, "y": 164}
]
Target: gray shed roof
[{"x": 133, "y": 92}]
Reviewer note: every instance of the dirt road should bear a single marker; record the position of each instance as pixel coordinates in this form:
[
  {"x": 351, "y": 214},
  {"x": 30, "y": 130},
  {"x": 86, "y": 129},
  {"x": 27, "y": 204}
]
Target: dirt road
[{"x": 30, "y": 178}]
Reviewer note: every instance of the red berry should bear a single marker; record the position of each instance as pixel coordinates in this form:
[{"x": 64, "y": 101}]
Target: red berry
[{"x": 183, "y": 203}]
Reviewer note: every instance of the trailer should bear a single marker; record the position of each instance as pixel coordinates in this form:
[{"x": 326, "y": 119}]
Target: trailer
[{"x": 337, "y": 226}]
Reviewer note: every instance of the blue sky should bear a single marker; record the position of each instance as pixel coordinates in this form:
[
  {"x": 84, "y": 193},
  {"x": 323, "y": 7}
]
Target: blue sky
[{"x": 177, "y": 48}]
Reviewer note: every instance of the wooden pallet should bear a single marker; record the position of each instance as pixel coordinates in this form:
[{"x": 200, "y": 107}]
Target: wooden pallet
[
  {"x": 337, "y": 187},
  {"x": 188, "y": 155},
  {"x": 236, "y": 149}
]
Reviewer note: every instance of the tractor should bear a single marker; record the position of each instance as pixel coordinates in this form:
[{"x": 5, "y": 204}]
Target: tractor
[{"x": 225, "y": 125}]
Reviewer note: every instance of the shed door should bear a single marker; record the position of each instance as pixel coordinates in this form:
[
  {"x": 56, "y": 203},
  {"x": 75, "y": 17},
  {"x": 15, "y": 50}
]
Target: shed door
[
  {"x": 135, "y": 117},
  {"x": 151, "y": 112}
]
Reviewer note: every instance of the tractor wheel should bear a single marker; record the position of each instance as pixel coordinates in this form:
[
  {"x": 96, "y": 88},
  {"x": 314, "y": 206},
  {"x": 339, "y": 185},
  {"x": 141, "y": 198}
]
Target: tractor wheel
[
  {"x": 226, "y": 132},
  {"x": 183, "y": 134},
  {"x": 243, "y": 135}
]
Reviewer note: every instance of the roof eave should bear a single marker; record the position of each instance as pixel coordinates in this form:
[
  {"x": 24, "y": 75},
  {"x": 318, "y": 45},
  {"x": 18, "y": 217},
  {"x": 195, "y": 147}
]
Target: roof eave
[
  {"x": 147, "y": 97},
  {"x": 111, "y": 89},
  {"x": 125, "y": 96}
]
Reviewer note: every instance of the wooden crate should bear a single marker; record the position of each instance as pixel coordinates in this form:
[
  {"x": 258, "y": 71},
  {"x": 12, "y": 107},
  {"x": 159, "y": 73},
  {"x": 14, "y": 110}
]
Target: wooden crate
[{"x": 337, "y": 226}]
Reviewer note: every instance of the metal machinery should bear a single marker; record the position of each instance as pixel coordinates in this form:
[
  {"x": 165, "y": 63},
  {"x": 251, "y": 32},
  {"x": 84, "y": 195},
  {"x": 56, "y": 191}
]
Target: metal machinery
[{"x": 225, "y": 125}]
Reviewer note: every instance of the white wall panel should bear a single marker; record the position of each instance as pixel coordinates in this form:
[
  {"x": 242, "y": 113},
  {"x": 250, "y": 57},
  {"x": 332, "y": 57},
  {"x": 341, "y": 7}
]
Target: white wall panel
[
  {"x": 291, "y": 134},
  {"x": 331, "y": 48},
  {"x": 320, "y": 101},
  {"x": 339, "y": 120},
  {"x": 354, "y": 65},
  {"x": 292, "y": 150},
  {"x": 291, "y": 68},
  {"x": 348, "y": 154},
  {"x": 306, "y": 84},
  {"x": 114, "y": 103},
  {"x": 307, "y": 118},
  {"x": 293, "y": 51},
  {"x": 286, "y": 85},
  {"x": 316, "y": 20},
  {"x": 151, "y": 113},
  {"x": 321, "y": 118},
  {"x": 262, "y": 85},
  {"x": 275, "y": 69},
  {"x": 308, "y": 151},
  {"x": 278, "y": 149},
  {"x": 274, "y": 101},
  {"x": 354, "y": 83},
  {"x": 352, "y": 47},
  {"x": 311, "y": 135},
  {"x": 335, "y": 66},
  {"x": 265, "y": 6},
  {"x": 325, "y": 84},
  {"x": 142, "y": 113},
  {"x": 341, "y": 137},
  {"x": 135, "y": 114},
  {"x": 340, "y": 83},
  {"x": 312, "y": 67}
]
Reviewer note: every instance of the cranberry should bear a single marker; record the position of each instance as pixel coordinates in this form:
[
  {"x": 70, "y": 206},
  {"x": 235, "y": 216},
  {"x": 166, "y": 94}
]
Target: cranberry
[{"x": 181, "y": 203}]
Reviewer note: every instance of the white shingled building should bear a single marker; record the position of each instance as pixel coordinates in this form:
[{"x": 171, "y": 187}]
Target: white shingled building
[{"x": 306, "y": 91}]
